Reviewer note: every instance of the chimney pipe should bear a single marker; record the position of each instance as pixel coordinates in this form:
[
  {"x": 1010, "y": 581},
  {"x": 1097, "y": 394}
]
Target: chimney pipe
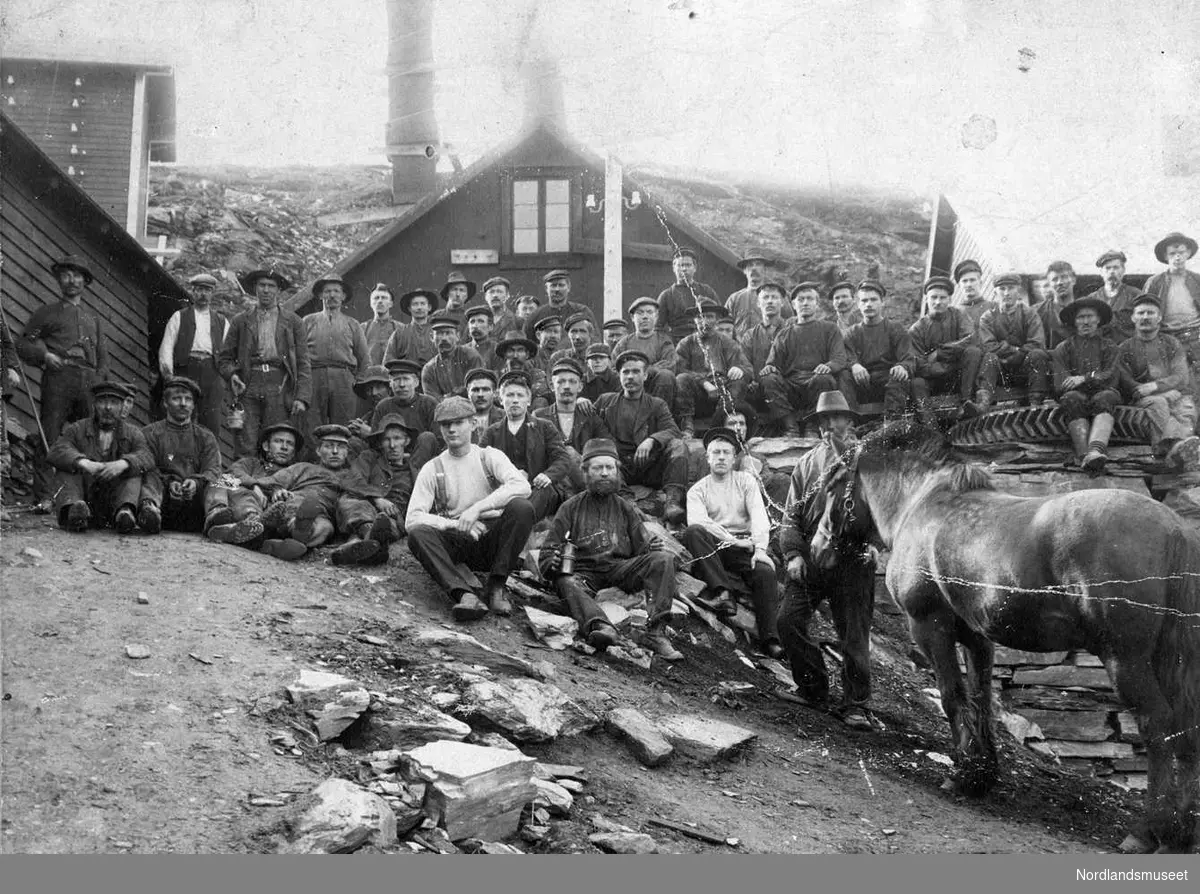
[
  {"x": 543, "y": 91},
  {"x": 412, "y": 133}
]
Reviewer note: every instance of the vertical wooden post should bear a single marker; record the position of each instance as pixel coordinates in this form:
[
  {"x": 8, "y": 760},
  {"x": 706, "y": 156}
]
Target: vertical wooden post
[{"x": 614, "y": 215}]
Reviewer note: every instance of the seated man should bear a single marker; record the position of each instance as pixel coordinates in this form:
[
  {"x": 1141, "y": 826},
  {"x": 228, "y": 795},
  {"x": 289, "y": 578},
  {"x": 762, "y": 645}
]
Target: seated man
[
  {"x": 578, "y": 328},
  {"x": 481, "y": 392},
  {"x": 710, "y": 368},
  {"x": 1014, "y": 347},
  {"x": 524, "y": 308},
  {"x": 576, "y": 423},
  {"x": 533, "y": 445},
  {"x": 881, "y": 354},
  {"x": 599, "y": 540},
  {"x": 728, "y": 533},
  {"x": 182, "y": 491},
  {"x": 372, "y": 387},
  {"x": 845, "y": 307},
  {"x": 281, "y": 444},
  {"x": 725, "y": 325},
  {"x": 518, "y": 352},
  {"x": 615, "y": 330},
  {"x": 743, "y": 422},
  {"x": 99, "y": 463},
  {"x": 601, "y": 377},
  {"x": 660, "y": 377},
  {"x": 1085, "y": 380},
  {"x": 548, "y": 331},
  {"x": 469, "y": 504},
  {"x": 416, "y": 409},
  {"x": 444, "y": 374},
  {"x": 807, "y": 359},
  {"x": 759, "y": 337},
  {"x": 649, "y": 444},
  {"x": 479, "y": 329},
  {"x": 946, "y": 348},
  {"x": 375, "y": 522},
  {"x": 1153, "y": 371}
]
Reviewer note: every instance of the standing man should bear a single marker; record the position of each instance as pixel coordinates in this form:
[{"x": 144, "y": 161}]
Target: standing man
[
  {"x": 67, "y": 342},
  {"x": 650, "y": 446},
  {"x": 558, "y": 303},
  {"x": 497, "y": 295},
  {"x": 1014, "y": 347},
  {"x": 1178, "y": 291},
  {"x": 946, "y": 347},
  {"x": 845, "y": 307},
  {"x": 849, "y": 584},
  {"x": 578, "y": 329},
  {"x": 265, "y": 360},
  {"x": 679, "y": 304},
  {"x": 548, "y": 332},
  {"x": 968, "y": 275},
  {"x": 479, "y": 330},
  {"x": 379, "y": 330},
  {"x": 660, "y": 377},
  {"x": 456, "y": 292},
  {"x": 1116, "y": 294},
  {"x": 880, "y": 353},
  {"x": 191, "y": 347},
  {"x": 414, "y": 340},
  {"x": 1085, "y": 380},
  {"x": 469, "y": 504},
  {"x": 744, "y": 304},
  {"x": 338, "y": 354},
  {"x": 710, "y": 368},
  {"x": 446, "y": 373},
  {"x": 601, "y": 378},
  {"x": 1061, "y": 277}
]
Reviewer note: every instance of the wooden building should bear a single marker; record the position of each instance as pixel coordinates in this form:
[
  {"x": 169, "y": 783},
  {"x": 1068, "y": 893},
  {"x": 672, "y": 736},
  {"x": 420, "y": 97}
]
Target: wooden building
[
  {"x": 520, "y": 211},
  {"x": 47, "y": 214},
  {"x": 102, "y": 120}
]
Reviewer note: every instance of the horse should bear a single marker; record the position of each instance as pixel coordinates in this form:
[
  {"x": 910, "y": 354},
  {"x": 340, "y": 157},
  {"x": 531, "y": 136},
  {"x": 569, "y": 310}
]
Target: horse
[{"x": 1109, "y": 571}]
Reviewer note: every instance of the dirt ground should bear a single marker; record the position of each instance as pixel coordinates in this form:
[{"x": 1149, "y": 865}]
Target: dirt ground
[{"x": 172, "y": 753}]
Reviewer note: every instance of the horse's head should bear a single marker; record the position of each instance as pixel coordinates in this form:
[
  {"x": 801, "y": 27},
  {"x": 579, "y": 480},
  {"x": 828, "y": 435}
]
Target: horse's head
[{"x": 846, "y": 526}]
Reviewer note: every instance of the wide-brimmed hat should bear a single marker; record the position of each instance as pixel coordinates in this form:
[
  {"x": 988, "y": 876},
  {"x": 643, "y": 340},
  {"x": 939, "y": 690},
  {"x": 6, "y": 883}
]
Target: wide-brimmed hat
[
  {"x": 1068, "y": 313},
  {"x": 248, "y": 280},
  {"x": 393, "y": 420},
  {"x": 458, "y": 279},
  {"x": 720, "y": 433},
  {"x": 371, "y": 375},
  {"x": 1111, "y": 255},
  {"x": 644, "y": 301},
  {"x": 182, "y": 382},
  {"x": 750, "y": 258},
  {"x": 968, "y": 266},
  {"x": 398, "y": 366},
  {"x": 599, "y": 447},
  {"x": 267, "y": 431},
  {"x": 625, "y": 356},
  {"x": 332, "y": 432},
  {"x": 111, "y": 388},
  {"x": 336, "y": 280},
  {"x": 72, "y": 262},
  {"x": 405, "y": 301},
  {"x": 515, "y": 337},
  {"x": 831, "y": 402},
  {"x": 454, "y": 408},
  {"x": 1160, "y": 250}
]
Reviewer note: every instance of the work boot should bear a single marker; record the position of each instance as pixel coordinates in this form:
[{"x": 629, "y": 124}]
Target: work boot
[
  {"x": 858, "y": 719},
  {"x": 382, "y": 531},
  {"x": 687, "y": 425},
  {"x": 721, "y": 603},
  {"x": 125, "y": 523},
  {"x": 468, "y": 608},
  {"x": 602, "y": 635},
  {"x": 497, "y": 597},
  {"x": 655, "y": 639},
  {"x": 239, "y": 533},
  {"x": 149, "y": 518},
  {"x": 1079, "y": 429},
  {"x": 356, "y": 552},
  {"x": 1101, "y": 430},
  {"x": 287, "y": 549},
  {"x": 1185, "y": 454},
  {"x": 304, "y": 525},
  {"x": 76, "y": 517},
  {"x": 978, "y": 406},
  {"x": 277, "y": 517},
  {"x": 673, "y": 512},
  {"x": 220, "y": 515}
]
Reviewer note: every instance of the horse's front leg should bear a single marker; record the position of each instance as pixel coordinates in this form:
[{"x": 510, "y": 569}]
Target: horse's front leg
[
  {"x": 979, "y": 768},
  {"x": 934, "y": 632}
]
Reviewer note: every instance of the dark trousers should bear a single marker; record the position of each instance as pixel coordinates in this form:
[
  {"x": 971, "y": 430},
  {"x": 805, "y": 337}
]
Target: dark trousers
[
  {"x": 691, "y": 398},
  {"x": 1030, "y": 367},
  {"x": 66, "y": 397},
  {"x": 211, "y": 407},
  {"x": 1082, "y": 405},
  {"x": 104, "y": 498},
  {"x": 882, "y": 386},
  {"x": 661, "y": 383},
  {"x": 545, "y": 501},
  {"x": 179, "y": 514},
  {"x": 794, "y": 394},
  {"x": 264, "y": 403},
  {"x": 654, "y": 571},
  {"x": 960, "y": 372},
  {"x": 667, "y": 466},
  {"x": 496, "y": 553},
  {"x": 850, "y": 589},
  {"x": 333, "y": 397},
  {"x": 733, "y": 569}
]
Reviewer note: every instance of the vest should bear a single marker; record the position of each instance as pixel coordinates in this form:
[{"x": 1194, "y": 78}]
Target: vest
[{"x": 187, "y": 334}]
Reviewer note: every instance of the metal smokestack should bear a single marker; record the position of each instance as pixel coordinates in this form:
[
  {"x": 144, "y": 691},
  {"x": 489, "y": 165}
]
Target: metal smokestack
[
  {"x": 412, "y": 133},
  {"x": 543, "y": 91}
]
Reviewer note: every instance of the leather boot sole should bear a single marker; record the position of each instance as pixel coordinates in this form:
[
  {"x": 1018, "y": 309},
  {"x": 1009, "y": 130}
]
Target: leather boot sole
[
  {"x": 288, "y": 549},
  {"x": 238, "y": 533},
  {"x": 469, "y": 608},
  {"x": 356, "y": 552}
]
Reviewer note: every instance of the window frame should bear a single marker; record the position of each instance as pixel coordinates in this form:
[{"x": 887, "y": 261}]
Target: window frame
[{"x": 572, "y": 257}]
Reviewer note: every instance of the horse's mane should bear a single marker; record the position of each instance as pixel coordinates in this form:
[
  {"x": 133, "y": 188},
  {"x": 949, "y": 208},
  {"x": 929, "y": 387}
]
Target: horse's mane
[{"x": 908, "y": 443}]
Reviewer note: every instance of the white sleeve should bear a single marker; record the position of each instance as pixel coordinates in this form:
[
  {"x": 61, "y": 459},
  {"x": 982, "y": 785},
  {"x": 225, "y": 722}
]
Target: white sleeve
[{"x": 166, "y": 349}]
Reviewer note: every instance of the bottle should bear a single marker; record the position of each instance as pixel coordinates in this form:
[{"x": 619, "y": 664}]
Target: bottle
[{"x": 568, "y": 558}]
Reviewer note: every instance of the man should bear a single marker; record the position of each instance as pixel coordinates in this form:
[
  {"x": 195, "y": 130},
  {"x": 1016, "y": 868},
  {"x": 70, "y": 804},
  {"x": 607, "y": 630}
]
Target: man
[
  {"x": 578, "y": 329},
  {"x": 1014, "y": 347},
  {"x": 456, "y": 292},
  {"x": 533, "y": 445},
  {"x": 100, "y": 462},
  {"x": 758, "y": 339},
  {"x": 479, "y": 332},
  {"x": 601, "y": 377},
  {"x": 678, "y": 304},
  {"x": 1039, "y": 288},
  {"x": 1116, "y": 294},
  {"x": 946, "y": 346},
  {"x": 371, "y": 388},
  {"x": 67, "y": 341},
  {"x": 518, "y": 352},
  {"x": 265, "y": 360},
  {"x": 385, "y": 464},
  {"x": 728, "y": 532},
  {"x": 469, "y": 504},
  {"x": 337, "y": 353},
  {"x": 968, "y": 275},
  {"x": 558, "y": 303},
  {"x": 1085, "y": 380},
  {"x": 849, "y": 585},
  {"x": 649, "y": 444},
  {"x": 845, "y": 307},
  {"x": 281, "y": 444},
  {"x": 616, "y": 329},
  {"x": 526, "y": 306},
  {"x": 660, "y": 377},
  {"x": 743, "y": 422},
  {"x": 417, "y": 410},
  {"x": 709, "y": 369},
  {"x": 1061, "y": 277},
  {"x": 191, "y": 347},
  {"x": 880, "y": 353},
  {"x": 725, "y": 325},
  {"x": 576, "y": 423},
  {"x": 445, "y": 374},
  {"x": 496, "y": 294},
  {"x": 745, "y": 304},
  {"x": 378, "y": 330},
  {"x": 806, "y": 359},
  {"x": 182, "y": 490},
  {"x": 1178, "y": 291},
  {"x": 481, "y": 392},
  {"x": 1153, "y": 371},
  {"x": 548, "y": 332},
  {"x": 413, "y": 340},
  {"x": 609, "y": 546}
]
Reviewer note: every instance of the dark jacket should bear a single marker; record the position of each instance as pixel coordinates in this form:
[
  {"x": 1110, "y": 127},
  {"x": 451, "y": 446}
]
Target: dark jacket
[
  {"x": 1094, "y": 358},
  {"x": 190, "y": 451},
  {"x": 806, "y": 499},
  {"x": 588, "y": 424},
  {"x": 544, "y": 451},
  {"x": 81, "y": 440},
  {"x": 291, "y": 343},
  {"x": 944, "y": 339},
  {"x": 631, "y": 421},
  {"x": 604, "y": 529},
  {"x": 1133, "y": 369}
]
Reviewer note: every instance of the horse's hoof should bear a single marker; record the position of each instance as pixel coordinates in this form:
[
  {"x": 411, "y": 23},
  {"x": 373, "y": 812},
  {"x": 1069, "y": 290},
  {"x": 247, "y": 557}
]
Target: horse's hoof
[{"x": 1134, "y": 845}]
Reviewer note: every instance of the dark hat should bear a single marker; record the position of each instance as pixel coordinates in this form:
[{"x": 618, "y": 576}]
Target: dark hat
[
  {"x": 527, "y": 297},
  {"x": 725, "y": 317},
  {"x": 517, "y": 376},
  {"x": 617, "y": 322},
  {"x": 872, "y": 285},
  {"x": 708, "y": 306},
  {"x": 248, "y": 280},
  {"x": 110, "y": 388},
  {"x": 546, "y": 322},
  {"x": 566, "y": 364},
  {"x": 72, "y": 262},
  {"x": 481, "y": 310},
  {"x": 407, "y": 297},
  {"x": 332, "y": 432},
  {"x": 1146, "y": 298},
  {"x": 625, "y": 356},
  {"x": 266, "y": 432},
  {"x": 938, "y": 282},
  {"x": 1160, "y": 250},
  {"x": 443, "y": 319},
  {"x": 335, "y": 280},
  {"x": 747, "y": 259},
  {"x": 383, "y": 287},
  {"x": 844, "y": 284},
  {"x": 807, "y": 286},
  {"x": 576, "y": 318},
  {"x": 1067, "y": 314},
  {"x": 182, "y": 382},
  {"x": 204, "y": 279},
  {"x": 831, "y": 402},
  {"x": 516, "y": 337},
  {"x": 1007, "y": 279},
  {"x": 396, "y": 367},
  {"x": 496, "y": 281},
  {"x": 458, "y": 279},
  {"x": 722, "y": 434},
  {"x": 599, "y": 447},
  {"x": 598, "y": 349},
  {"x": 684, "y": 253},
  {"x": 453, "y": 408},
  {"x": 371, "y": 375},
  {"x": 967, "y": 266},
  {"x": 1111, "y": 255},
  {"x": 481, "y": 372},
  {"x": 393, "y": 420},
  {"x": 777, "y": 286},
  {"x": 556, "y": 274},
  {"x": 644, "y": 301}
]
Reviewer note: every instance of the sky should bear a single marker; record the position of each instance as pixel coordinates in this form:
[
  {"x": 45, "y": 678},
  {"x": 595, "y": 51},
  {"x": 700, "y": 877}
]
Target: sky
[{"x": 825, "y": 92}]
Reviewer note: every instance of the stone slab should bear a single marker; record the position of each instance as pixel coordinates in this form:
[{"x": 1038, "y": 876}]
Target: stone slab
[
  {"x": 643, "y": 738},
  {"x": 1079, "y": 726},
  {"x": 526, "y": 710},
  {"x": 1014, "y": 657},
  {"x": 339, "y": 818},
  {"x": 703, "y": 738},
  {"x": 1062, "y": 748}
]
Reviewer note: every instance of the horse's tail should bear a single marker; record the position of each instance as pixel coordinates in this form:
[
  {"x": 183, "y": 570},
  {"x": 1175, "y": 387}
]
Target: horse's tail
[{"x": 1177, "y": 651}]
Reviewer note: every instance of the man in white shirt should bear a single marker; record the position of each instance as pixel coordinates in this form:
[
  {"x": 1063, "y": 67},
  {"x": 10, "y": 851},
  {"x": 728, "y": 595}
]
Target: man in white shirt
[
  {"x": 729, "y": 535},
  {"x": 469, "y": 504},
  {"x": 191, "y": 346}
]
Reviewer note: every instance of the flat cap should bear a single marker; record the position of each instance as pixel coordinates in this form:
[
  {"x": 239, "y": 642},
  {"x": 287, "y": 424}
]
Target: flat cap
[
  {"x": 616, "y": 323},
  {"x": 1111, "y": 255},
  {"x": 556, "y": 274},
  {"x": 807, "y": 286},
  {"x": 871, "y": 285},
  {"x": 453, "y": 408},
  {"x": 546, "y": 322},
  {"x": 1007, "y": 279},
  {"x": 837, "y": 286},
  {"x": 516, "y": 377},
  {"x": 685, "y": 253},
  {"x": 480, "y": 310},
  {"x": 626, "y": 356},
  {"x": 267, "y": 431},
  {"x": 577, "y": 318},
  {"x": 968, "y": 266},
  {"x": 708, "y": 306},
  {"x": 204, "y": 279},
  {"x": 182, "y": 382},
  {"x": 1146, "y": 298},
  {"x": 938, "y": 282},
  {"x": 399, "y": 367},
  {"x": 481, "y": 372},
  {"x": 599, "y": 447},
  {"x": 566, "y": 364},
  {"x": 441, "y": 319},
  {"x": 496, "y": 281},
  {"x": 720, "y": 433},
  {"x": 772, "y": 286},
  {"x": 332, "y": 432},
  {"x": 644, "y": 301},
  {"x": 598, "y": 349},
  {"x": 109, "y": 388}
]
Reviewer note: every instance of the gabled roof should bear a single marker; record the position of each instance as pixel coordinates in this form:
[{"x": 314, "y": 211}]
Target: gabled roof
[
  {"x": 83, "y": 53},
  {"x": 484, "y": 163}
]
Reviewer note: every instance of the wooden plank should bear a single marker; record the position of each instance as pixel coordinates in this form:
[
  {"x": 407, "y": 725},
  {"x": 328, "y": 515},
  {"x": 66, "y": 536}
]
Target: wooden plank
[
  {"x": 364, "y": 215},
  {"x": 1080, "y": 726},
  {"x": 1063, "y": 676},
  {"x": 1064, "y": 748},
  {"x": 1007, "y": 656},
  {"x": 1020, "y": 698}
]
